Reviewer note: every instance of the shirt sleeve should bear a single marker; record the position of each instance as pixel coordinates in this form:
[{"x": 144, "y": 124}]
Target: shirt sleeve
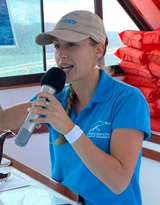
[{"x": 132, "y": 112}]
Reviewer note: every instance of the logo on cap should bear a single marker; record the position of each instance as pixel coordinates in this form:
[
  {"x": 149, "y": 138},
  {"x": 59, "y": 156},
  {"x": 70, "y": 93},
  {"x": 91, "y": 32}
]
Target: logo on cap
[
  {"x": 65, "y": 19},
  {"x": 70, "y": 21}
]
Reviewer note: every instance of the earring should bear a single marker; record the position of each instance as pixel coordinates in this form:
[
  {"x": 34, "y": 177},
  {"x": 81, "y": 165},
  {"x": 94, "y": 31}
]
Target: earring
[{"x": 96, "y": 66}]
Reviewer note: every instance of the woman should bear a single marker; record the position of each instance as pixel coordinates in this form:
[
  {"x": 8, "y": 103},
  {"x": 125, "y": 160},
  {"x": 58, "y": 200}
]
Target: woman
[{"x": 96, "y": 124}]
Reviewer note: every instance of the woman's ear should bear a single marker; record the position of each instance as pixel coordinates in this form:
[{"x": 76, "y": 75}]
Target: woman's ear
[{"x": 100, "y": 50}]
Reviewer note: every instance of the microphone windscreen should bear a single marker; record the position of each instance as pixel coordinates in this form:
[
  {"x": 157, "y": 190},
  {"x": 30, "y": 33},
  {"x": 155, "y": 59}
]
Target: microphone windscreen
[{"x": 54, "y": 77}]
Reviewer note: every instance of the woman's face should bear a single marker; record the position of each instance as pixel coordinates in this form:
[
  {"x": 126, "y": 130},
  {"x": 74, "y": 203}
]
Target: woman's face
[{"x": 76, "y": 59}]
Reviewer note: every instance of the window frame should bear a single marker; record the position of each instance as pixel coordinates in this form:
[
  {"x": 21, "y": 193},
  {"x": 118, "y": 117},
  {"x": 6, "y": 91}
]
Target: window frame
[
  {"x": 30, "y": 79},
  {"x": 34, "y": 79},
  {"x": 134, "y": 15}
]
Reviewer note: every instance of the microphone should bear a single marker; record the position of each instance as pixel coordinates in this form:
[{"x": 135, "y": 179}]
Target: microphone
[{"x": 52, "y": 82}]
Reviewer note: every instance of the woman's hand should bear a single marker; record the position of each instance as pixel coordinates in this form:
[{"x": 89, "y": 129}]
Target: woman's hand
[{"x": 54, "y": 112}]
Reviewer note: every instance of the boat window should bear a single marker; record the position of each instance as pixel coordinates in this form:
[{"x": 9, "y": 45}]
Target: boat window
[
  {"x": 149, "y": 10},
  {"x": 24, "y": 62},
  {"x": 146, "y": 13},
  {"x": 116, "y": 20},
  {"x": 20, "y": 22}
]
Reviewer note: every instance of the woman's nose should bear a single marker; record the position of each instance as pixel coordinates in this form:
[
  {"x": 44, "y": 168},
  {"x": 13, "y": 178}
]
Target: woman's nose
[{"x": 62, "y": 53}]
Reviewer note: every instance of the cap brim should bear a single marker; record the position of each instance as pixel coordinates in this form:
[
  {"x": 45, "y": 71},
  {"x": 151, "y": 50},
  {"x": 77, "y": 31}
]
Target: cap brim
[{"x": 65, "y": 35}]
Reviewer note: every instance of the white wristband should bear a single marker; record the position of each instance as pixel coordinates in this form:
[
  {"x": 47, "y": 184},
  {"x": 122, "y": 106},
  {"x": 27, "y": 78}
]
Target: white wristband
[{"x": 74, "y": 134}]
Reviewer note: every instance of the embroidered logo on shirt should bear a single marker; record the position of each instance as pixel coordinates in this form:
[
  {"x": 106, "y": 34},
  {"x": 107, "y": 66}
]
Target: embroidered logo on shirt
[{"x": 99, "y": 130}]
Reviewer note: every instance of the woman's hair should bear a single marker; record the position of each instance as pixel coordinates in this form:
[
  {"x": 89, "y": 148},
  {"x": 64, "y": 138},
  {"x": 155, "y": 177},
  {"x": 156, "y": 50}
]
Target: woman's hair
[
  {"x": 72, "y": 95},
  {"x": 71, "y": 99}
]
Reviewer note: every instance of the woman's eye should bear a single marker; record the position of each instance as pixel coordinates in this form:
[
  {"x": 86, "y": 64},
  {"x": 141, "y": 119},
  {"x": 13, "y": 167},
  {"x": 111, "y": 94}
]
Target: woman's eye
[
  {"x": 56, "y": 46},
  {"x": 71, "y": 45}
]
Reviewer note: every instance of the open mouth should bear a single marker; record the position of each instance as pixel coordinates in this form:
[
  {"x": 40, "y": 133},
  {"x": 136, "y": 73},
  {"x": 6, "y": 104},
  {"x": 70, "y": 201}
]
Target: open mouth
[{"x": 67, "y": 68}]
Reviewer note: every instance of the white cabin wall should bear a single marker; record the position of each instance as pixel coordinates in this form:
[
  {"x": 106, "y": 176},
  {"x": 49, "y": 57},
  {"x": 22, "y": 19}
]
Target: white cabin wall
[
  {"x": 10, "y": 97},
  {"x": 150, "y": 181},
  {"x": 32, "y": 154},
  {"x": 36, "y": 152}
]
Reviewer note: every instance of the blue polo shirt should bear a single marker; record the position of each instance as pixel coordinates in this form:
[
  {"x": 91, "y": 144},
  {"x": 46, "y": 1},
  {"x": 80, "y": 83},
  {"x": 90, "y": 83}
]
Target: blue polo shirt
[{"x": 113, "y": 105}]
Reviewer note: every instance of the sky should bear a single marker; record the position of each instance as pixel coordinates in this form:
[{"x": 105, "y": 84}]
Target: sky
[
  {"x": 115, "y": 18},
  {"x": 69, "y": 5}
]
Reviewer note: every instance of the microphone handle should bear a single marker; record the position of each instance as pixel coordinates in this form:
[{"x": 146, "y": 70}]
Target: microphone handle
[
  {"x": 26, "y": 130},
  {"x": 28, "y": 127}
]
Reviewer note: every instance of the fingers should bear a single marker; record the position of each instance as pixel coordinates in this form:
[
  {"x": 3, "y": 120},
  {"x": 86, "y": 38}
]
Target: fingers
[
  {"x": 47, "y": 95},
  {"x": 50, "y": 111},
  {"x": 40, "y": 104},
  {"x": 41, "y": 110},
  {"x": 45, "y": 99},
  {"x": 43, "y": 107}
]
